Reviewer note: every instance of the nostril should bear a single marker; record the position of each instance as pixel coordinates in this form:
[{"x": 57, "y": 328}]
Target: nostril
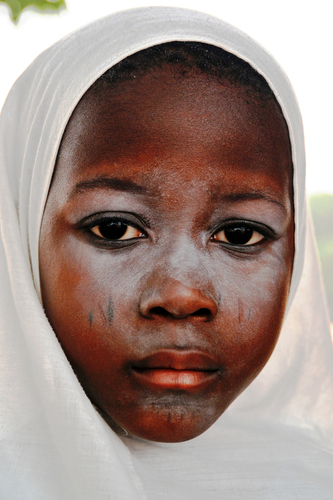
[
  {"x": 161, "y": 312},
  {"x": 202, "y": 313},
  {"x": 170, "y": 299}
]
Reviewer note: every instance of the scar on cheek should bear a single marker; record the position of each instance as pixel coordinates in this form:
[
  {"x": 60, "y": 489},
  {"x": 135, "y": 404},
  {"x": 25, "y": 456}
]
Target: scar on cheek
[
  {"x": 107, "y": 315},
  {"x": 110, "y": 311},
  {"x": 240, "y": 311},
  {"x": 101, "y": 310},
  {"x": 90, "y": 318}
]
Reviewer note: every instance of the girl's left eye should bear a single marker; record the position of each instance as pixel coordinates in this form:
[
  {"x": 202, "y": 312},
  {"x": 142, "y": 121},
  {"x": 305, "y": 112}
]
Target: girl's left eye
[
  {"x": 238, "y": 235},
  {"x": 116, "y": 230}
]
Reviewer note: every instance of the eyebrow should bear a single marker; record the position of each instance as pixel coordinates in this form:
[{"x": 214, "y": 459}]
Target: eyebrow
[
  {"x": 108, "y": 183},
  {"x": 244, "y": 196},
  {"x": 127, "y": 185}
]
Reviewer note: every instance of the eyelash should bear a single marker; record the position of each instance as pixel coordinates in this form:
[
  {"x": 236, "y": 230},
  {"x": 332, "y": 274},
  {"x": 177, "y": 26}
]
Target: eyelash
[
  {"x": 119, "y": 224},
  {"x": 241, "y": 230}
]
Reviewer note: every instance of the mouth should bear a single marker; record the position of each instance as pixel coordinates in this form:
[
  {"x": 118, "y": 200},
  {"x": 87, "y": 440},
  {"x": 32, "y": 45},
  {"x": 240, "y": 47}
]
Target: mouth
[{"x": 170, "y": 369}]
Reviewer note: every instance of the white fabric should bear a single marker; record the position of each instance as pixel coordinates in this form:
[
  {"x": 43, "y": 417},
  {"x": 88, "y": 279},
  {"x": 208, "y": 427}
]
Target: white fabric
[{"x": 275, "y": 441}]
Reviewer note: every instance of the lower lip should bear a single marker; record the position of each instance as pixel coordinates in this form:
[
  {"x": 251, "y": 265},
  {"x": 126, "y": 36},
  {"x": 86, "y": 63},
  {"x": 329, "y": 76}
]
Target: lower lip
[{"x": 165, "y": 378}]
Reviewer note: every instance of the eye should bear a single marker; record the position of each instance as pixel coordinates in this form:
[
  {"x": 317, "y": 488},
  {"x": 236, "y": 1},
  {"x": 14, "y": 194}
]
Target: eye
[
  {"x": 116, "y": 230},
  {"x": 239, "y": 234}
]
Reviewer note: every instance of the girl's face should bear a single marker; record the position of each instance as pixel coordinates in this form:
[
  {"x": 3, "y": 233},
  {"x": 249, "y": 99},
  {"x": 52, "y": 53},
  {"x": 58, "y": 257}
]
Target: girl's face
[{"x": 166, "y": 248}]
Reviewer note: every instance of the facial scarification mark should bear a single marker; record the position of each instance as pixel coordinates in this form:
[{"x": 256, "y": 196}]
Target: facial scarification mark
[
  {"x": 240, "y": 311},
  {"x": 249, "y": 313},
  {"x": 102, "y": 313},
  {"x": 108, "y": 317},
  {"x": 110, "y": 311},
  {"x": 90, "y": 317}
]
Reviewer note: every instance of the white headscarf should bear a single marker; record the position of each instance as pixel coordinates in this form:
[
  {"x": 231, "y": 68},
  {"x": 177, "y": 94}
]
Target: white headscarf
[{"x": 275, "y": 441}]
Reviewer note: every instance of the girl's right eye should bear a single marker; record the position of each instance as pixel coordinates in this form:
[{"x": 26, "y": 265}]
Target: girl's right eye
[{"x": 116, "y": 230}]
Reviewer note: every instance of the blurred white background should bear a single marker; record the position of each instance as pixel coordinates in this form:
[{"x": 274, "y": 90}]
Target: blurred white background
[{"x": 297, "y": 32}]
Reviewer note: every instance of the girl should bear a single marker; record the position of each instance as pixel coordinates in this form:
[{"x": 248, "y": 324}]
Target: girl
[{"x": 155, "y": 220}]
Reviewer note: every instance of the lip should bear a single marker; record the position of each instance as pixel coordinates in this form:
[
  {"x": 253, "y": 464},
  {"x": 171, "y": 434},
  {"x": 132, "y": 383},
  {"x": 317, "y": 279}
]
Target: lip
[{"x": 170, "y": 369}]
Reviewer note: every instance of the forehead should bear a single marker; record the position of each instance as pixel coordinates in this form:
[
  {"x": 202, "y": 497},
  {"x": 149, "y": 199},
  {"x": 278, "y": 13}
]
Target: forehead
[{"x": 165, "y": 120}]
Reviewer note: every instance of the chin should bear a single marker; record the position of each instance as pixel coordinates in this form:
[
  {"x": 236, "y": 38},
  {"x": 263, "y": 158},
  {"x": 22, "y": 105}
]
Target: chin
[
  {"x": 176, "y": 432},
  {"x": 173, "y": 424}
]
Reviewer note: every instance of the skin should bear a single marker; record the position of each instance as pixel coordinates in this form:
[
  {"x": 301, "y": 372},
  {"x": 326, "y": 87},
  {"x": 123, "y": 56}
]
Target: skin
[{"x": 204, "y": 155}]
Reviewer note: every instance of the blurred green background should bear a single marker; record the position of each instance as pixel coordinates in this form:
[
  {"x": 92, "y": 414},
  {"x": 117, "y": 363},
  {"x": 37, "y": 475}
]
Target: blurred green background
[
  {"x": 322, "y": 214},
  {"x": 17, "y": 6}
]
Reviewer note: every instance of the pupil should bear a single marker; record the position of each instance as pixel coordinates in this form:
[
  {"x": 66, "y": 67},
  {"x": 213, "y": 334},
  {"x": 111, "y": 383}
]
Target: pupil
[
  {"x": 113, "y": 230},
  {"x": 238, "y": 235}
]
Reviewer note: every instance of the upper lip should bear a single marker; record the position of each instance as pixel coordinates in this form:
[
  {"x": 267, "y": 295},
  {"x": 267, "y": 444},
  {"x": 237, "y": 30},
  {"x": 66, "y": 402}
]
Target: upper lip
[{"x": 177, "y": 360}]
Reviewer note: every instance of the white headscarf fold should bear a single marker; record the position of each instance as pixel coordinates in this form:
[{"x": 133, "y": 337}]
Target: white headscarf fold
[{"x": 275, "y": 441}]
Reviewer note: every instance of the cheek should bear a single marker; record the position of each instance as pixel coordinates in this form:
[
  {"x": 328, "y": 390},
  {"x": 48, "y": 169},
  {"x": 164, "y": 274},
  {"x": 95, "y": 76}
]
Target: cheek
[
  {"x": 252, "y": 304},
  {"x": 85, "y": 296}
]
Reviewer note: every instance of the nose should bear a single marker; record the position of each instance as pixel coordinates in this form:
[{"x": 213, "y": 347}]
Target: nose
[{"x": 173, "y": 299}]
